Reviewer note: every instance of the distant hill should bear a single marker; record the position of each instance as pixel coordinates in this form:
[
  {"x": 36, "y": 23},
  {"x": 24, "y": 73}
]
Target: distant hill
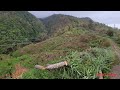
[
  {"x": 58, "y": 23},
  {"x": 19, "y": 26}
]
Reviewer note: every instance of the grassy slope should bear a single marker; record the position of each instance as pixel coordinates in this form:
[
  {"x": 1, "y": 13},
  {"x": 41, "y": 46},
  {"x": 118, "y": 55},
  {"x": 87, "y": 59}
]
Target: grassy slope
[{"x": 87, "y": 52}]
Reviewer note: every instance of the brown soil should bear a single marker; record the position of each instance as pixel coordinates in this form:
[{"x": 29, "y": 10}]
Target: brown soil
[{"x": 18, "y": 72}]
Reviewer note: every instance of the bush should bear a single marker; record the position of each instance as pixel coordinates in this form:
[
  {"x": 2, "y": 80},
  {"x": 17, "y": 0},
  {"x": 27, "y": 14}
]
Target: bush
[
  {"x": 110, "y": 33},
  {"x": 16, "y": 54},
  {"x": 105, "y": 43}
]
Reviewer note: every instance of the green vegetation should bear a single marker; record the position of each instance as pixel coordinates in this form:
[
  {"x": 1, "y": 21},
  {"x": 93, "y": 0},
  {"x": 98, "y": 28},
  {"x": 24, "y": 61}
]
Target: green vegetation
[
  {"x": 82, "y": 65},
  {"x": 75, "y": 48},
  {"x": 7, "y": 66},
  {"x": 18, "y": 27},
  {"x": 85, "y": 44}
]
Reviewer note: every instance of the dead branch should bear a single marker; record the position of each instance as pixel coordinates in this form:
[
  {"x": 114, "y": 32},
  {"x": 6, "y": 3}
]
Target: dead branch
[{"x": 52, "y": 66}]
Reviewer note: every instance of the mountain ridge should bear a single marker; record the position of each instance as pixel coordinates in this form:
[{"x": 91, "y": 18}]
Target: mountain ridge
[{"x": 59, "y": 21}]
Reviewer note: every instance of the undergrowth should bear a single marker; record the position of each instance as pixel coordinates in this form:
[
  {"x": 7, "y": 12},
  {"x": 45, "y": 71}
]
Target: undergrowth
[{"x": 82, "y": 65}]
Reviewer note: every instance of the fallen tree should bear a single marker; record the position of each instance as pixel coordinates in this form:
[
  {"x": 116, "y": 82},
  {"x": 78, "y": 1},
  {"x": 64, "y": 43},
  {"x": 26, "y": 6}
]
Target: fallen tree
[
  {"x": 52, "y": 66},
  {"x": 61, "y": 64}
]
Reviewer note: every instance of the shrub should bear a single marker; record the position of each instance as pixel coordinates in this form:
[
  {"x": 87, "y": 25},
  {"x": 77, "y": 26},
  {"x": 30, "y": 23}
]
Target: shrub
[
  {"x": 105, "y": 43},
  {"x": 110, "y": 33},
  {"x": 16, "y": 54}
]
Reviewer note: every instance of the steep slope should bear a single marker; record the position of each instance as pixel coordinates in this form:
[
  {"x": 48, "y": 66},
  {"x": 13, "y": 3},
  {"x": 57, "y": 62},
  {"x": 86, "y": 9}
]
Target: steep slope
[
  {"x": 72, "y": 39},
  {"x": 58, "y": 24},
  {"x": 85, "y": 44},
  {"x": 18, "y": 27},
  {"x": 87, "y": 52}
]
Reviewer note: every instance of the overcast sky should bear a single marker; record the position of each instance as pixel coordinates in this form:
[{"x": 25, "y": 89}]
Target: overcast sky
[{"x": 106, "y": 17}]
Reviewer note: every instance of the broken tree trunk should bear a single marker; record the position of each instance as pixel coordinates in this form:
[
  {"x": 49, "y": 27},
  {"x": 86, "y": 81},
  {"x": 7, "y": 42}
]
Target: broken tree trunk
[
  {"x": 40, "y": 67},
  {"x": 57, "y": 65},
  {"x": 52, "y": 66}
]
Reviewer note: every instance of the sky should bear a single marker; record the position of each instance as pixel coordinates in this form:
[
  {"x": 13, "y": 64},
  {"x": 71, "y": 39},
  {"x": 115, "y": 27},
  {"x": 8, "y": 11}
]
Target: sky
[{"x": 107, "y": 17}]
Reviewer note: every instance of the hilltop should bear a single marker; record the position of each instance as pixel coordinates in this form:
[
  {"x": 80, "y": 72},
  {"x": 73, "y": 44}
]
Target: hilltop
[{"x": 59, "y": 23}]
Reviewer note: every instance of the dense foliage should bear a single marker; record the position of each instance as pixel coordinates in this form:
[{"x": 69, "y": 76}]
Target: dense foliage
[{"x": 18, "y": 27}]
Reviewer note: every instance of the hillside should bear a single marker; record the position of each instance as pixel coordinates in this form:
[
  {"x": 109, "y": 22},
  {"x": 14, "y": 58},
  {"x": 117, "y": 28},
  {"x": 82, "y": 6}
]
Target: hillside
[
  {"x": 58, "y": 24},
  {"x": 86, "y": 45},
  {"x": 18, "y": 27},
  {"x": 74, "y": 45}
]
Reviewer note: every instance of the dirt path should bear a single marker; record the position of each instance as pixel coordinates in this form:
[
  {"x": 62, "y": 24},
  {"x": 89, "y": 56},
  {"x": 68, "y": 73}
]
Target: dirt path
[{"x": 116, "y": 69}]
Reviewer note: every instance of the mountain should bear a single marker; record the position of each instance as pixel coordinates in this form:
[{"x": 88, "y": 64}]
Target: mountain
[
  {"x": 87, "y": 46},
  {"x": 58, "y": 24},
  {"x": 19, "y": 27}
]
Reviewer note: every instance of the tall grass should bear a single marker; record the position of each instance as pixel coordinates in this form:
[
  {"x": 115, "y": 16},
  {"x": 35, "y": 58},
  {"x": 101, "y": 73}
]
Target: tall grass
[
  {"x": 87, "y": 64},
  {"x": 82, "y": 65}
]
